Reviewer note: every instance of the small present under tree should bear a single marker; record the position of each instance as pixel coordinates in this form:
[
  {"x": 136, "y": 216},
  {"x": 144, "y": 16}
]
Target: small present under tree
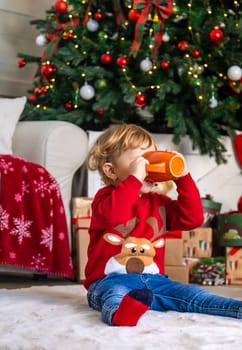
[{"x": 167, "y": 66}]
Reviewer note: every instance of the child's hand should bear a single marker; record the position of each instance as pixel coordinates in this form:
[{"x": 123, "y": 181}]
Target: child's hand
[{"x": 137, "y": 168}]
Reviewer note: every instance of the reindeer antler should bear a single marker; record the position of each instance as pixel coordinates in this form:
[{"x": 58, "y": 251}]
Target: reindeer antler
[
  {"x": 152, "y": 221},
  {"x": 128, "y": 227},
  {"x": 125, "y": 229}
]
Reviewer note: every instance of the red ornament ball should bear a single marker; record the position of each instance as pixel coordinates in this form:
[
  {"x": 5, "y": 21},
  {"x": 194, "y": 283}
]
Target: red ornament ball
[
  {"x": 140, "y": 100},
  {"x": 37, "y": 91},
  {"x": 182, "y": 45},
  {"x": 48, "y": 70},
  {"x": 60, "y": 6},
  {"x": 32, "y": 98},
  {"x": 122, "y": 61},
  {"x": 68, "y": 105},
  {"x": 216, "y": 35},
  {"x": 44, "y": 89},
  {"x": 165, "y": 64},
  {"x": 100, "y": 110},
  {"x": 196, "y": 53},
  {"x": 106, "y": 58},
  {"x": 21, "y": 63},
  {"x": 98, "y": 15},
  {"x": 133, "y": 15}
]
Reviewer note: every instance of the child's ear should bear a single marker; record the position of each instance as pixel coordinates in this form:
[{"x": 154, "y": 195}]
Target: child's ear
[{"x": 109, "y": 171}]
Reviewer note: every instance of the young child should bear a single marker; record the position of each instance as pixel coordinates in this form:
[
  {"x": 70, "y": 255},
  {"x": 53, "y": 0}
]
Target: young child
[{"x": 125, "y": 269}]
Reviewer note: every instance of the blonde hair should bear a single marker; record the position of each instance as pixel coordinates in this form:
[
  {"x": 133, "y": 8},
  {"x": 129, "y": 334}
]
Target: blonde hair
[{"x": 113, "y": 142}]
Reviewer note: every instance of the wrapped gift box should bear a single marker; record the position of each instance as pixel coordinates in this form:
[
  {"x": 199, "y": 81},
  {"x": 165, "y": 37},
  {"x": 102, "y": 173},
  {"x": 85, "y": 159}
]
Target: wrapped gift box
[
  {"x": 230, "y": 229},
  {"x": 233, "y": 265},
  {"x": 174, "y": 251},
  {"x": 81, "y": 212},
  {"x": 81, "y": 206},
  {"x": 197, "y": 243},
  {"x": 81, "y": 241},
  {"x": 191, "y": 262},
  {"x": 210, "y": 210},
  {"x": 179, "y": 273},
  {"x": 208, "y": 271},
  {"x": 175, "y": 265}
]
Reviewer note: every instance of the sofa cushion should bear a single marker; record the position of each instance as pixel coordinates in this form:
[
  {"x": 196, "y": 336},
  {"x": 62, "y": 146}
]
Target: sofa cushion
[{"x": 10, "y": 112}]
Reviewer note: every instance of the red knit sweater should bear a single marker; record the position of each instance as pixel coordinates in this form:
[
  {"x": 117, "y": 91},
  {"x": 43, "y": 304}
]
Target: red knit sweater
[{"x": 127, "y": 229}]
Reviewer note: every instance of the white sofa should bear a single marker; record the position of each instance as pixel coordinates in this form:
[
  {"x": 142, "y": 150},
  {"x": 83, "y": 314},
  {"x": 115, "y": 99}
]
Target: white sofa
[{"x": 59, "y": 146}]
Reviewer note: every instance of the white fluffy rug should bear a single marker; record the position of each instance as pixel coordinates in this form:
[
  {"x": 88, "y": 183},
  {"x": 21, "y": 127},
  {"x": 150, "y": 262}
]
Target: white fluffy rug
[{"x": 58, "y": 317}]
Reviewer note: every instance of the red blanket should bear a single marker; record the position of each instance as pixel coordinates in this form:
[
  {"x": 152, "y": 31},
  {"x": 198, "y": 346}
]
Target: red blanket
[{"x": 33, "y": 228}]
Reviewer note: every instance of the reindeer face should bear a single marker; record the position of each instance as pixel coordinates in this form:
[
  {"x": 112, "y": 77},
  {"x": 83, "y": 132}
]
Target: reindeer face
[{"x": 136, "y": 255}]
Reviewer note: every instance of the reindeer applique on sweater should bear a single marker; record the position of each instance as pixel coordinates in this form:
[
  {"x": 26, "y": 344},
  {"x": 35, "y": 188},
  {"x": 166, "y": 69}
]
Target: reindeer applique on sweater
[{"x": 137, "y": 254}]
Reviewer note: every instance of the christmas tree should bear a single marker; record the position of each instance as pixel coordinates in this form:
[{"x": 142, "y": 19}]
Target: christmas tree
[{"x": 169, "y": 67}]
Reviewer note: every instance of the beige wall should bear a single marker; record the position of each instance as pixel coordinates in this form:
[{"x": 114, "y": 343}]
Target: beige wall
[{"x": 17, "y": 35}]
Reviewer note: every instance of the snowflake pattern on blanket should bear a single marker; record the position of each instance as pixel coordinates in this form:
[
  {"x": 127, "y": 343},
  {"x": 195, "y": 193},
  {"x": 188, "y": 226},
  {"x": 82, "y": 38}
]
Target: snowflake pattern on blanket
[{"x": 33, "y": 228}]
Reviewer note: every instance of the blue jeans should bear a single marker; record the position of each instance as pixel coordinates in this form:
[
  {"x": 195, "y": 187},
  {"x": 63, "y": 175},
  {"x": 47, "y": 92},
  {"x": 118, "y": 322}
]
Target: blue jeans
[{"x": 106, "y": 294}]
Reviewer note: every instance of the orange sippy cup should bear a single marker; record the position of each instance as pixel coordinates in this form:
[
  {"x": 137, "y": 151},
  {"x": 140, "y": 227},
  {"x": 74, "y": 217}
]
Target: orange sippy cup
[{"x": 164, "y": 166}]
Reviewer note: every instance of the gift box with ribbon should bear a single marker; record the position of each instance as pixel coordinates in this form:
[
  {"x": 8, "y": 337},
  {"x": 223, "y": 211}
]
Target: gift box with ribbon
[
  {"x": 197, "y": 243},
  {"x": 233, "y": 265}
]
